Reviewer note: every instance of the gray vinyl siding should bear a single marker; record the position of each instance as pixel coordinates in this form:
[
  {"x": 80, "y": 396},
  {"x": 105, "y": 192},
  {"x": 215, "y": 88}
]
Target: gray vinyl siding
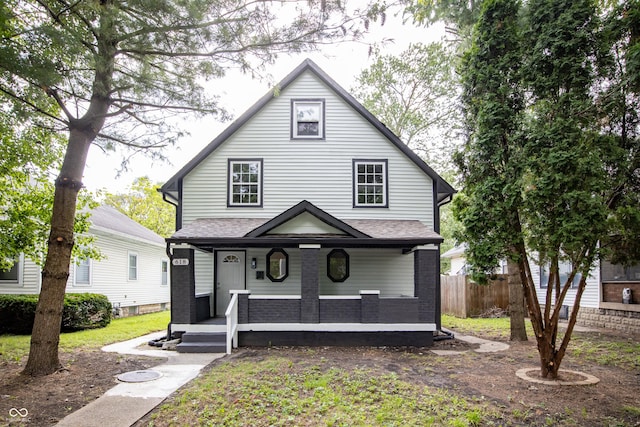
[
  {"x": 204, "y": 272},
  {"x": 388, "y": 271},
  {"x": 590, "y": 296},
  {"x": 319, "y": 171}
]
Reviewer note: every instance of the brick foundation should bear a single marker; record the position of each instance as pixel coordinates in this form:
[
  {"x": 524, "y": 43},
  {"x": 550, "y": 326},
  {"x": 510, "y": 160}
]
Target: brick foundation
[
  {"x": 625, "y": 321},
  {"x": 135, "y": 310}
]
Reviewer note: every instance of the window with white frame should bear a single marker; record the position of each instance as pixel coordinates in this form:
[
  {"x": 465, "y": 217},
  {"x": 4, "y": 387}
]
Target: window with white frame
[
  {"x": 370, "y": 186},
  {"x": 307, "y": 119},
  {"x": 133, "y": 266},
  {"x": 83, "y": 273},
  {"x": 245, "y": 182},
  {"x": 164, "y": 279},
  {"x": 12, "y": 276}
]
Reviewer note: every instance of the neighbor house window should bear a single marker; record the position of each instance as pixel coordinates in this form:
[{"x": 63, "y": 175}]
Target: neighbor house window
[
  {"x": 370, "y": 183},
  {"x": 12, "y": 275},
  {"x": 83, "y": 272},
  {"x": 133, "y": 266},
  {"x": 277, "y": 265},
  {"x": 245, "y": 182},
  {"x": 338, "y": 265},
  {"x": 307, "y": 119},
  {"x": 564, "y": 268},
  {"x": 164, "y": 278},
  {"x": 619, "y": 273}
]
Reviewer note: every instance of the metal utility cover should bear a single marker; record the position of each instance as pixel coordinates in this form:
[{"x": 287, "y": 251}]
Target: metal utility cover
[{"x": 139, "y": 376}]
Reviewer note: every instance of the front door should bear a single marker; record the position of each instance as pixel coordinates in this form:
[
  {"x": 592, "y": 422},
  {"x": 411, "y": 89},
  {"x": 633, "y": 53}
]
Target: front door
[{"x": 230, "y": 275}]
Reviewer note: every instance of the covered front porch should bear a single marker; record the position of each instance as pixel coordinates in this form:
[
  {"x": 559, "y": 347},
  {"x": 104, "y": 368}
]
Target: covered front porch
[{"x": 361, "y": 283}]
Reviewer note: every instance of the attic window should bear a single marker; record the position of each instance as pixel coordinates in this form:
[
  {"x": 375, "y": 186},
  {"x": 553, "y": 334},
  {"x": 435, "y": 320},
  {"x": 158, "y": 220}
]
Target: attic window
[{"x": 307, "y": 119}]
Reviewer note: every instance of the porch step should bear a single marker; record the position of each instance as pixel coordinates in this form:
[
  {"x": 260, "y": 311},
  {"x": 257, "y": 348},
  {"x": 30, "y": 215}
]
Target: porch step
[{"x": 203, "y": 342}]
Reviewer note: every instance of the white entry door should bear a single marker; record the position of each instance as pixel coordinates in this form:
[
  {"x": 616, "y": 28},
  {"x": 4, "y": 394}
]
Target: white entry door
[{"x": 230, "y": 275}]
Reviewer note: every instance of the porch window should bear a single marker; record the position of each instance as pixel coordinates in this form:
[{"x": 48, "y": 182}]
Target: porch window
[
  {"x": 307, "y": 119},
  {"x": 564, "y": 268},
  {"x": 245, "y": 182},
  {"x": 338, "y": 265},
  {"x": 277, "y": 265},
  {"x": 83, "y": 273},
  {"x": 370, "y": 185}
]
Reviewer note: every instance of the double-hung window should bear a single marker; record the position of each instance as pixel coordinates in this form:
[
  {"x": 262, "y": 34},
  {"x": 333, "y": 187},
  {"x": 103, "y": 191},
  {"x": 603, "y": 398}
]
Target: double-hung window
[
  {"x": 564, "y": 270},
  {"x": 164, "y": 279},
  {"x": 133, "y": 266},
  {"x": 307, "y": 119},
  {"x": 245, "y": 182},
  {"x": 370, "y": 186},
  {"x": 13, "y": 275},
  {"x": 83, "y": 273}
]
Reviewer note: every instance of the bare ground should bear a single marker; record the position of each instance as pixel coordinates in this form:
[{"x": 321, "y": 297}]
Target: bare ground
[{"x": 488, "y": 377}]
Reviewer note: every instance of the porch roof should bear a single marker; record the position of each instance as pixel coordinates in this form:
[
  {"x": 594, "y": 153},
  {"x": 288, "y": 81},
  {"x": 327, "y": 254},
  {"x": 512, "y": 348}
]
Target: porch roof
[{"x": 237, "y": 232}]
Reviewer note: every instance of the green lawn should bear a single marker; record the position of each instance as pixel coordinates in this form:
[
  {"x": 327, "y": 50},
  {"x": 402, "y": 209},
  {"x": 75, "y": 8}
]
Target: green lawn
[{"x": 15, "y": 347}]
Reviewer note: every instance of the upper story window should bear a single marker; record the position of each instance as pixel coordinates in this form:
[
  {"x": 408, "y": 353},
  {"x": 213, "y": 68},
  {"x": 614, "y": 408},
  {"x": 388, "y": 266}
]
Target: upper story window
[
  {"x": 83, "y": 273},
  {"x": 370, "y": 185},
  {"x": 307, "y": 119},
  {"x": 133, "y": 266},
  {"x": 245, "y": 182}
]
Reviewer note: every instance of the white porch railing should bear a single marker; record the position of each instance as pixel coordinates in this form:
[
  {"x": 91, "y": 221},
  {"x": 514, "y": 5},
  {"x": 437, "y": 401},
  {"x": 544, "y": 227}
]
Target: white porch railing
[{"x": 232, "y": 322}]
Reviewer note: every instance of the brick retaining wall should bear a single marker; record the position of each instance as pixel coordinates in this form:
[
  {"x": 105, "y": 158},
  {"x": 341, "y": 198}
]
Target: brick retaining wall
[{"x": 625, "y": 321}]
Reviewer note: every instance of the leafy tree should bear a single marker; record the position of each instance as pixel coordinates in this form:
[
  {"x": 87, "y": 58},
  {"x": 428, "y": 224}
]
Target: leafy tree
[
  {"x": 547, "y": 175},
  {"x": 458, "y": 15},
  {"x": 144, "y": 204},
  {"x": 413, "y": 95},
  {"x": 107, "y": 72}
]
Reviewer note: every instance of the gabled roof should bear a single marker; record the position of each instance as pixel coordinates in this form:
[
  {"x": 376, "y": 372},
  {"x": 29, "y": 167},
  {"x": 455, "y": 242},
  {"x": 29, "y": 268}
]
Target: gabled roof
[
  {"x": 445, "y": 190},
  {"x": 110, "y": 220},
  {"x": 302, "y": 207}
]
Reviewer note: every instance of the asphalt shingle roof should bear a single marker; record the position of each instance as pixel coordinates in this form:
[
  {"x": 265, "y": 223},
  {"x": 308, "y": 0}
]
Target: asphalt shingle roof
[{"x": 111, "y": 219}]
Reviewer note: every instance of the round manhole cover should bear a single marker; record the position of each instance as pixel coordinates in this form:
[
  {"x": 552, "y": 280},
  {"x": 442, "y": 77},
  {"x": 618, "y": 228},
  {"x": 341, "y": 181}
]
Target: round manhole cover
[{"x": 139, "y": 376}]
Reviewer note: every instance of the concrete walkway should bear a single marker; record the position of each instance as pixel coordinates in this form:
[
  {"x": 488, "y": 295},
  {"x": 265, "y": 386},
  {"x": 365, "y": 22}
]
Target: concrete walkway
[
  {"x": 126, "y": 403},
  {"x": 486, "y": 346}
]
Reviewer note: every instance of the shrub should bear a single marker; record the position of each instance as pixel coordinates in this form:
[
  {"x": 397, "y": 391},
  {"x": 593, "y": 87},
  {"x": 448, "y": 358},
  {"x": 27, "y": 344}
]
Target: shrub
[{"x": 81, "y": 311}]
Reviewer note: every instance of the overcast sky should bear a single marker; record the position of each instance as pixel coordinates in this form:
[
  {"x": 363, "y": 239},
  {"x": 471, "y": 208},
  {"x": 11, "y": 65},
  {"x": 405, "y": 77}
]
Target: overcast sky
[{"x": 342, "y": 62}]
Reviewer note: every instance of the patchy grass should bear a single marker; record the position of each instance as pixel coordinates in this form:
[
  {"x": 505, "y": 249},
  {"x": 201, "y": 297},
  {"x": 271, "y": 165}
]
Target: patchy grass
[
  {"x": 490, "y": 328},
  {"x": 277, "y": 392},
  {"x": 14, "y": 347}
]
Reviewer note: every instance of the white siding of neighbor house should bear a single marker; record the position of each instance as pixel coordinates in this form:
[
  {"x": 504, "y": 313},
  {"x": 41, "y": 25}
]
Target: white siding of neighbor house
[
  {"x": 28, "y": 279},
  {"x": 386, "y": 270},
  {"x": 590, "y": 296},
  {"x": 110, "y": 275},
  {"x": 319, "y": 171}
]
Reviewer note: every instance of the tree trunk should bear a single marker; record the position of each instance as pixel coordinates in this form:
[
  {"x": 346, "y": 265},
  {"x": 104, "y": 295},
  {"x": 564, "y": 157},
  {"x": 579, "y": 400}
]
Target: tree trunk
[
  {"x": 516, "y": 303},
  {"x": 45, "y": 337}
]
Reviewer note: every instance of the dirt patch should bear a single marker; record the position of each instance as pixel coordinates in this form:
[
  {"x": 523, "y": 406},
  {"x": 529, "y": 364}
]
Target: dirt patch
[
  {"x": 488, "y": 377},
  {"x": 43, "y": 401}
]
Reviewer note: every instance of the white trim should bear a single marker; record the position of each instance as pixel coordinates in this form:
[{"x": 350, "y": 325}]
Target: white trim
[
  {"x": 309, "y": 246},
  {"x": 240, "y": 291},
  {"x": 129, "y": 279},
  {"x": 425, "y": 247},
  {"x": 369, "y": 292},
  {"x": 275, "y": 297},
  {"x": 340, "y": 297},
  {"x": 337, "y": 327}
]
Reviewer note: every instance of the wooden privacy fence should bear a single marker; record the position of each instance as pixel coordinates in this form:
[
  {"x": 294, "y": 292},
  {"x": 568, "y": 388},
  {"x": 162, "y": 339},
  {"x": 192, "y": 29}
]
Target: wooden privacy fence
[{"x": 461, "y": 297}]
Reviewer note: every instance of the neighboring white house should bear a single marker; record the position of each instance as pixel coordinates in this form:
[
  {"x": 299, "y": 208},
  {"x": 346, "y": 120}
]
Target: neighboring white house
[
  {"x": 601, "y": 304},
  {"x": 134, "y": 273}
]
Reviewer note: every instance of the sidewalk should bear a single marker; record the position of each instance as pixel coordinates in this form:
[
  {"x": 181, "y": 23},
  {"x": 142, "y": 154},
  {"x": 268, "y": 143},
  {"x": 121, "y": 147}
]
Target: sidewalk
[{"x": 126, "y": 403}]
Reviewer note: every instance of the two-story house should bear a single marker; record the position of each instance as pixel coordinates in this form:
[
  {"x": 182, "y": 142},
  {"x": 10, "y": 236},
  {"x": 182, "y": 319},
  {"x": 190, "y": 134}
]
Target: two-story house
[{"x": 306, "y": 222}]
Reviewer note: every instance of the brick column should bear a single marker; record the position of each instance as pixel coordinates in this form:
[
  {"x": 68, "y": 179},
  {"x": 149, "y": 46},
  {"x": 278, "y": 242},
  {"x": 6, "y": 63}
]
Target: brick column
[
  {"x": 427, "y": 284},
  {"x": 183, "y": 286},
  {"x": 243, "y": 307},
  {"x": 370, "y": 306},
  {"x": 309, "y": 286}
]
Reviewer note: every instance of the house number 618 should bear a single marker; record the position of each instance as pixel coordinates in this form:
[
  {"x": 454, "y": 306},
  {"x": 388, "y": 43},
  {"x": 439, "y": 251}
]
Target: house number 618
[{"x": 180, "y": 261}]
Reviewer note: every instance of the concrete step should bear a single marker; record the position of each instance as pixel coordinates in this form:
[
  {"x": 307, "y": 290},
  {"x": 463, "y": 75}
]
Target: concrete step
[
  {"x": 203, "y": 342},
  {"x": 219, "y": 337},
  {"x": 201, "y": 347}
]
